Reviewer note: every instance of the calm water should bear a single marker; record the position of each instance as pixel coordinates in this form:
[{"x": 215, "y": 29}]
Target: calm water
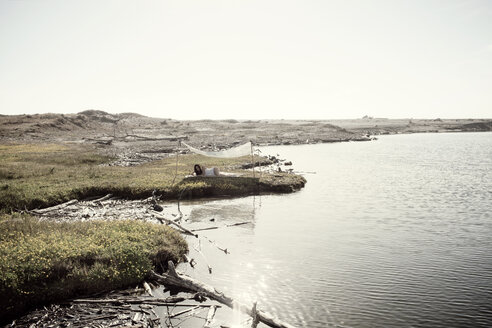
[{"x": 390, "y": 233}]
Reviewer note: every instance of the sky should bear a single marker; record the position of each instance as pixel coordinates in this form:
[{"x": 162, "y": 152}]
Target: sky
[{"x": 265, "y": 59}]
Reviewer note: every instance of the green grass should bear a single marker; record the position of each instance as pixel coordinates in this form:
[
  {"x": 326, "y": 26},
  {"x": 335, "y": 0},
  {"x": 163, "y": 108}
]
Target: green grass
[
  {"x": 34, "y": 176},
  {"x": 45, "y": 261}
]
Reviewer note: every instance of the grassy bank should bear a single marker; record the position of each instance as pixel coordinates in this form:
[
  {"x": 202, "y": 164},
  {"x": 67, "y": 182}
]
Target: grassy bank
[
  {"x": 37, "y": 175},
  {"x": 44, "y": 261}
]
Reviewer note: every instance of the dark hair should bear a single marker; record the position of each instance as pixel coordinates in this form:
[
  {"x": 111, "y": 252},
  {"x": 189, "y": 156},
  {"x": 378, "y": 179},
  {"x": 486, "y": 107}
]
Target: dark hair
[{"x": 198, "y": 169}]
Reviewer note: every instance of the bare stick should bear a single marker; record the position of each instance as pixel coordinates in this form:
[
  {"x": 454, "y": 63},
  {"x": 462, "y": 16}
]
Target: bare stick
[
  {"x": 171, "y": 222},
  {"x": 173, "y": 315},
  {"x": 254, "y": 315},
  {"x": 204, "y": 258},
  {"x": 204, "y": 229},
  {"x": 210, "y": 316},
  {"x": 217, "y": 227},
  {"x": 237, "y": 224},
  {"x": 217, "y": 245}
]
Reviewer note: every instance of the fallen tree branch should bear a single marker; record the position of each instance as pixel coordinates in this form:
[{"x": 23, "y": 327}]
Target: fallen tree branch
[
  {"x": 108, "y": 196},
  {"x": 161, "y": 218},
  {"x": 56, "y": 207},
  {"x": 179, "y": 280}
]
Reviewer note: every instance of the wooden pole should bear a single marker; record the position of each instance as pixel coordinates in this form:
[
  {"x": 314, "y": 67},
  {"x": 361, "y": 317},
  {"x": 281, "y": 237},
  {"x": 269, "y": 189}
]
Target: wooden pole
[
  {"x": 252, "y": 159},
  {"x": 177, "y": 154}
]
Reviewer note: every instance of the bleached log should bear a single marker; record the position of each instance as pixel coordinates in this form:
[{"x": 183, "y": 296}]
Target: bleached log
[
  {"x": 210, "y": 317},
  {"x": 108, "y": 196},
  {"x": 147, "y": 288},
  {"x": 56, "y": 207},
  {"x": 179, "y": 280}
]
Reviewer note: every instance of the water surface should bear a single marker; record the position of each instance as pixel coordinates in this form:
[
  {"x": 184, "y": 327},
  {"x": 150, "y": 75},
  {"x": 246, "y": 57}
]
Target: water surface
[{"x": 390, "y": 233}]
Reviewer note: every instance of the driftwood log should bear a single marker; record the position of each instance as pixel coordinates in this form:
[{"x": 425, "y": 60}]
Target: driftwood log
[
  {"x": 179, "y": 280},
  {"x": 210, "y": 316},
  {"x": 53, "y": 208}
]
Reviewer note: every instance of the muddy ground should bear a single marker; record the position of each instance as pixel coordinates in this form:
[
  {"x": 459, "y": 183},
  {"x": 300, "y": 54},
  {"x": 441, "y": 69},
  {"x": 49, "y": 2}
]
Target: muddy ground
[{"x": 134, "y": 139}]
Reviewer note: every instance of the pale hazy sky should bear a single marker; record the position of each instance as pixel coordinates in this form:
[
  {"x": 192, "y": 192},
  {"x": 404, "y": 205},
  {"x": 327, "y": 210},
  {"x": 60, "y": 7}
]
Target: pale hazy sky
[{"x": 248, "y": 59}]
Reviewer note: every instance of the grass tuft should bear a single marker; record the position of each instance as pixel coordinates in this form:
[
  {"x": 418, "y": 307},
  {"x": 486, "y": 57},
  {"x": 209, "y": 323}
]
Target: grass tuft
[{"x": 45, "y": 261}]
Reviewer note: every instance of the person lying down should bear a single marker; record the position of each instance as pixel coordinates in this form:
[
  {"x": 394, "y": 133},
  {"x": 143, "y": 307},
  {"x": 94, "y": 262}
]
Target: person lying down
[{"x": 202, "y": 171}]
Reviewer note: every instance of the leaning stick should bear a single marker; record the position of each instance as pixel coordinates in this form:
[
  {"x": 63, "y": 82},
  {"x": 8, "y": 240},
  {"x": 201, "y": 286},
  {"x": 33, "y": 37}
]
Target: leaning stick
[
  {"x": 180, "y": 280},
  {"x": 204, "y": 258},
  {"x": 217, "y": 245},
  {"x": 161, "y": 218}
]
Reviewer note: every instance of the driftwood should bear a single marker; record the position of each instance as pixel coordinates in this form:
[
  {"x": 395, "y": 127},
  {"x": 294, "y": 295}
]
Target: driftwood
[
  {"x": 167, "y": 138},
  {"x": 255, "y": 320},
  {"x": 148, "y": 289},
  {"x": 217, "y": 227},
  {"x": 191, "y": 309},
  {"x": 108, "y": 196},
  {"x": 161, "y": 218},
  {"x": 225, "y": 250},
  {"x": 199, "y": 251},
  {"x": 179, "y": 280},
  {"x": 191, "y": 261},
  {"x": 56, "y": 207},
  {"x": 102, "y": 141},
  {"x": 122, "y": 300},
  {"x": 210, "y": 317}
]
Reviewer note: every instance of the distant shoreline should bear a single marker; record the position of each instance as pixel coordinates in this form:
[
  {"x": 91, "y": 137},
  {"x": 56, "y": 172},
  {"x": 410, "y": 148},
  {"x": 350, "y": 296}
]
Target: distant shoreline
[{"x": 135, "y": 139}]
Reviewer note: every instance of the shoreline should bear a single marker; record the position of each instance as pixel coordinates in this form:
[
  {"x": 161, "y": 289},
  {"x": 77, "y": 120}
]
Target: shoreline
[
  {"x": 52, "y": 174},
  {"x": 133, "y": 139},
  {"x": 133, "y": 180}
]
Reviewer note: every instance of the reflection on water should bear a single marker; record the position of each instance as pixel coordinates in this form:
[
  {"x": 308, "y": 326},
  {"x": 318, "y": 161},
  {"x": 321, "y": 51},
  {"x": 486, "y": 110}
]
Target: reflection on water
[{"x": 393, "y": 233}]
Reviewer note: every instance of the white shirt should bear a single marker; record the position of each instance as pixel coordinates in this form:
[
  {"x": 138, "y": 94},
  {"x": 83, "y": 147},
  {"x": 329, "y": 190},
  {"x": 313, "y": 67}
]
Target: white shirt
[{"x": 209, "y": 172}]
